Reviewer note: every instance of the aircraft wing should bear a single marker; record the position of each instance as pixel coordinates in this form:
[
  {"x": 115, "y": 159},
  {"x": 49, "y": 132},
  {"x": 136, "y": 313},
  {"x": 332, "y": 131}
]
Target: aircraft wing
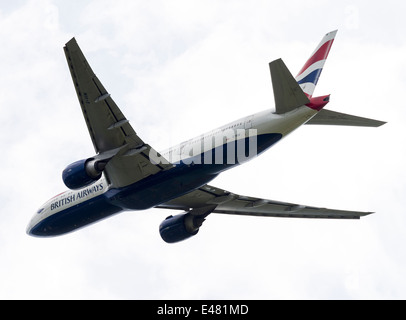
[
  {"x": 111, "y": 133},
  {"x": 217, "y": 200}
]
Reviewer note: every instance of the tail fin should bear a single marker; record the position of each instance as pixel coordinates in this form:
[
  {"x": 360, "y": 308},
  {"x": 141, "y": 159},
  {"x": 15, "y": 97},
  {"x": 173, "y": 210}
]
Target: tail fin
[
  {"x": 287, "y": 92},
  {"x": 290, "y": 93},
  {"x": 309, "y": 75}
]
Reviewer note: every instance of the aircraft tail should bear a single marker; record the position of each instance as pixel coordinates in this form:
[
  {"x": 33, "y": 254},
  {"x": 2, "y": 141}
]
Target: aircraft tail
[
  {"x": 328, "y": 117},
  {"x": 309, "y": 75},
  {"x": 287, "y": 92},
  {"x": 291, "y": 93}
]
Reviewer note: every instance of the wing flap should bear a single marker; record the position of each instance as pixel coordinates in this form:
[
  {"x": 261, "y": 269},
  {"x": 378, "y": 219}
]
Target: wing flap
[{"x": 242, "y": 205}]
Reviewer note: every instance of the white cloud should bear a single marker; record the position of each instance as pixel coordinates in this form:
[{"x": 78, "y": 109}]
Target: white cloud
[{"x": 180, "y": 69}]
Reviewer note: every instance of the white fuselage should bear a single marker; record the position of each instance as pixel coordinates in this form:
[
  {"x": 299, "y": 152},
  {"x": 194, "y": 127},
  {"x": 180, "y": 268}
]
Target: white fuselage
[
  {"x": 253, "y": 126},
  {"x": 90, "y": 200}
]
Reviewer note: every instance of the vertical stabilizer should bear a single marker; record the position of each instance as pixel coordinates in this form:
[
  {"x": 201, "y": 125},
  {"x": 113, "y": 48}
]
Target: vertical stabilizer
[
  {"x": 310, "y": 73},
  {"x": 287, "y": 92}
]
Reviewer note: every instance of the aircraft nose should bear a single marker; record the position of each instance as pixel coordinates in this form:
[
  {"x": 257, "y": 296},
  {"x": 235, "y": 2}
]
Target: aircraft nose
[
  {"x": 29, "y": 228},
  {"x": 33, "y": 225},
  {"x": 35, "y": 230}
]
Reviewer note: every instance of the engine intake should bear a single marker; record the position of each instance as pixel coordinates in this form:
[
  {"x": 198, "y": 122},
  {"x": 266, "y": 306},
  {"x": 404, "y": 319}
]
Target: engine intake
[
  {"x": 180, "y": 227},
  {"x": 82, "y": 173}
]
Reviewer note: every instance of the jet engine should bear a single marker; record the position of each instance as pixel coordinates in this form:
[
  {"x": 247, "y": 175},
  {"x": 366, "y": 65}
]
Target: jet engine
[
  {"x": 83, "y": 173},
  {"x": 180, "y": 227}
]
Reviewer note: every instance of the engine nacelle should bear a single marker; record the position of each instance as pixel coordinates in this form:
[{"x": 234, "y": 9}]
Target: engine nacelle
[
  {"x": 82, "y": 173},
  {"x": 180, "y": 227}
]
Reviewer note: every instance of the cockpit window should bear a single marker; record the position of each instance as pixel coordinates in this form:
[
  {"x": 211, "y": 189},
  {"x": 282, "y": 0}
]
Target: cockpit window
[{"x": 40, "y": 210}]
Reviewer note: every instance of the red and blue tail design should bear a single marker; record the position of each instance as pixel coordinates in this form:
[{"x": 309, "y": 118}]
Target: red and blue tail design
[{"x": 310, "y": 73}]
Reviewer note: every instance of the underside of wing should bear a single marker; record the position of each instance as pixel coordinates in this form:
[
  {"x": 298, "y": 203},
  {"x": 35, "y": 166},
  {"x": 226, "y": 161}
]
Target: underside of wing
[
  {"x": 108, "y": 127},
  {"x": 226, "y": 202},
  {"x": 112, "y": 135}
]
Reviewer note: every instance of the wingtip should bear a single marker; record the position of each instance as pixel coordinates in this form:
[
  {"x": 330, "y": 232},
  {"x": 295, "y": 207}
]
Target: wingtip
[
  {"x": 382, "y": 123},
  {"x": 368, "y": 213}
]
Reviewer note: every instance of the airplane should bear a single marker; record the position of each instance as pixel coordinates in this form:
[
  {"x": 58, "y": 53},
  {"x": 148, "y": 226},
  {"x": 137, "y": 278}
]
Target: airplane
[{"x": 126, "y": 173}]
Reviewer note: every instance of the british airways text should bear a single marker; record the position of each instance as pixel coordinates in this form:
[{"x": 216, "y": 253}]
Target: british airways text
[{"x": 76, "y": 196}]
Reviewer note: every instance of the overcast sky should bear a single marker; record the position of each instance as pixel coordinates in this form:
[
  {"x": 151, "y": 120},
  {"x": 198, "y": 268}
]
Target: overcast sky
[{"x": 181, "y": 68}]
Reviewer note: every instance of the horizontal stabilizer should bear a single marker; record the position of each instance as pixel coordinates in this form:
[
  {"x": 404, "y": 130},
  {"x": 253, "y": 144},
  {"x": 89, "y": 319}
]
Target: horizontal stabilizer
[
  {"x": 287, "y": 92},
  {"x": 328, "y": 117}
]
